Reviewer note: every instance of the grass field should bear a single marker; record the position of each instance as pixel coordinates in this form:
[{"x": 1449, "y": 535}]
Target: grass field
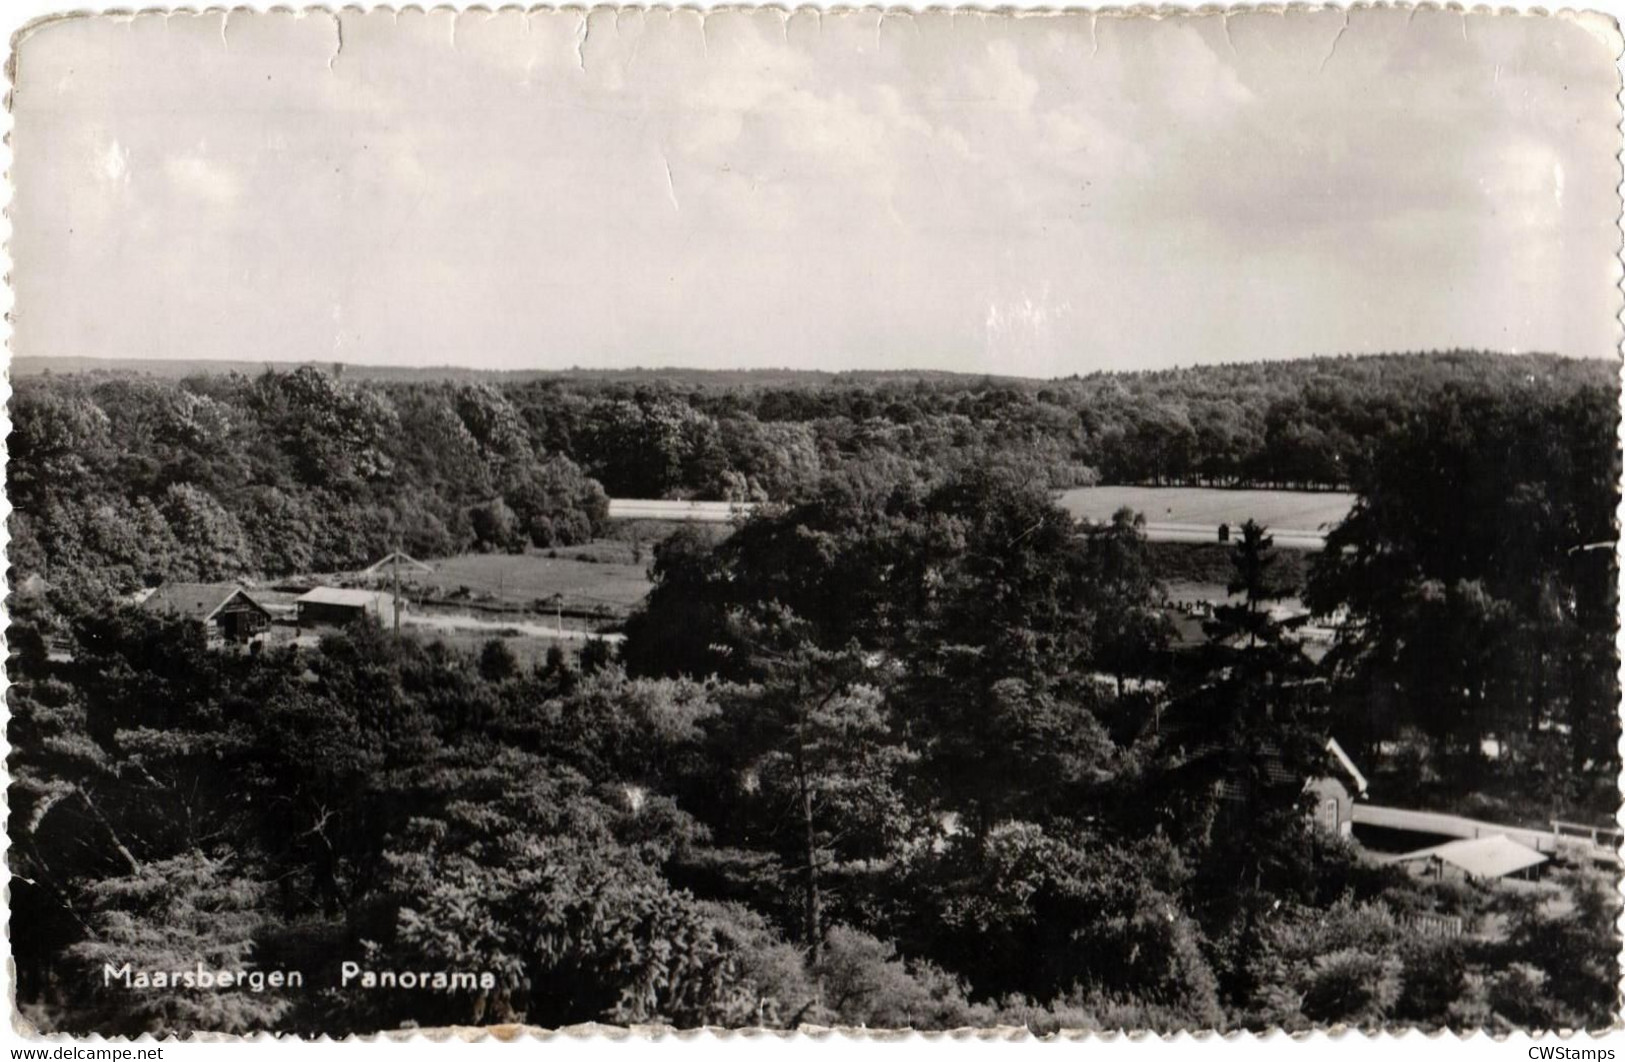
[
  {"x": 1210, "y": 506},
  {"x": 614, "y": 583}
]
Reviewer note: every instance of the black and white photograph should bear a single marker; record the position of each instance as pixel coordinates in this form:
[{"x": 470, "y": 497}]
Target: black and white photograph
[{"x": 760, "y": 519}]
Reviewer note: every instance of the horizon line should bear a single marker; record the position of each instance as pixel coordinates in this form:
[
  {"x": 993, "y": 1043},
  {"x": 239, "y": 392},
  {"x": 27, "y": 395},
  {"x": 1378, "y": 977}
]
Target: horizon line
[{"x": 91, "y": 362}]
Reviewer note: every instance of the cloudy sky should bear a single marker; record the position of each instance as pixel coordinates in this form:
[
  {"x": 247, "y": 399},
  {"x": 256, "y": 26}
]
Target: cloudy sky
[{"x": 1039, "y": 195}]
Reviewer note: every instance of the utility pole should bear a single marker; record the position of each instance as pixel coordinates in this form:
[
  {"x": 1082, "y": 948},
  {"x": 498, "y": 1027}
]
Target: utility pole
[{"x": 395, "y": 566}]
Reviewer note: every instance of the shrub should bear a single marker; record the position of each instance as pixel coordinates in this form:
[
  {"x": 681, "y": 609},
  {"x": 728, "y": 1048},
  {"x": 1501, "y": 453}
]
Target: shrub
[{"x": 1351, "y": 987}]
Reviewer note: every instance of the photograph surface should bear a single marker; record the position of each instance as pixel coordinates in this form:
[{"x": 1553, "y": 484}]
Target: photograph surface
[{"x": 796, "y": 519}]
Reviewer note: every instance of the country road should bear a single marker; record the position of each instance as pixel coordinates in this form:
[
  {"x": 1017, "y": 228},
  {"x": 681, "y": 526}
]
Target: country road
[{"x": 1285, "y": 538}]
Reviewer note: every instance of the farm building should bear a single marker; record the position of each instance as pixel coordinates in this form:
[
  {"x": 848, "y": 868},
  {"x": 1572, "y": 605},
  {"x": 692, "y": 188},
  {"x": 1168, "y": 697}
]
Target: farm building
[
  {"x": 225, "y": 609},
  {"x": 329, "y": 606}
]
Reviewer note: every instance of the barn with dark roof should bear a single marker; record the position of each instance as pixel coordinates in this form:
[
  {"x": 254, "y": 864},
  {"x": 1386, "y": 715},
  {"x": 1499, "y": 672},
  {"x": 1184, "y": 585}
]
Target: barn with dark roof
[{"x": 226, "y": 610}]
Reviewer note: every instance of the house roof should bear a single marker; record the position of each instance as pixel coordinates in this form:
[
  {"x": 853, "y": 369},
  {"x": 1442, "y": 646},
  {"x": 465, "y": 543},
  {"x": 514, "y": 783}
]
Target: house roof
[
  {"x": 1267, "y": 766},
  {"x": 1347, "y": 764},
  {"x": 199, "y": 601},
  {"x": 333, "y": 595},
  {"x": 1484, "y": 857}
]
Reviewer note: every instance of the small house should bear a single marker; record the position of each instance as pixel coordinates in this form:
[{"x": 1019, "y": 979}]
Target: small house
[
  {"x": 1333, "y": 799},
  {"x": 330, "y": 606},
  {"x": 227, "y": 612},
  {"x": 1333, "y": 805},
  {"x": 1237, "y": 774}
]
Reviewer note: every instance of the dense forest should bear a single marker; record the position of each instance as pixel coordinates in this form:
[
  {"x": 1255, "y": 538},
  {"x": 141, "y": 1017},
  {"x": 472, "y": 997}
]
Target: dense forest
[
  {"x": 133, "y": 479},
  {"x": 909, "y": 747}
]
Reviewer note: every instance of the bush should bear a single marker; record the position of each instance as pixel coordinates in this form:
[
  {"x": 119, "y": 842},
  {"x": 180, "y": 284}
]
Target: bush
[
  {"x": 497, "y": 661},
  {"x": 1435, "y": 970},
  {"x": 1351, "y": 987},
  {"x": 866, "y": 985},
  {"x": 496, "y": 528}
]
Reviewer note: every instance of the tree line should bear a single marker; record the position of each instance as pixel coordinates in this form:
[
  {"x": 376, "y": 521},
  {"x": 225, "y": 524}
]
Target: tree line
[{"x": 123, "y": 481}]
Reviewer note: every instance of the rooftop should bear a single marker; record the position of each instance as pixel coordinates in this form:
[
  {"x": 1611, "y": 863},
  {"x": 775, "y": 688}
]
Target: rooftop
[
  {"x": 196, "y": 600},
  {"x": 1484, "y": 857}
]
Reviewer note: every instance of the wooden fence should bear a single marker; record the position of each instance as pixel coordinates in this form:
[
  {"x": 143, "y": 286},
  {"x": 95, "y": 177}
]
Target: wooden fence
[
  {"x": 1600, "y": 836},
  {"x": 1436, "y": 925}
]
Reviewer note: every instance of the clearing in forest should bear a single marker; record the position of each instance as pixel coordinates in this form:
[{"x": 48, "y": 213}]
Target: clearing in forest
[
  {"x": 1210, "y": 506},
  {"x": 613, "y": 586}
]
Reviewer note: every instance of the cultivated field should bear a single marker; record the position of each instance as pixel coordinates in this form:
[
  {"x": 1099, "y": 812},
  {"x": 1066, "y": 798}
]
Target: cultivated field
[{"x": 1280, "y": 510}]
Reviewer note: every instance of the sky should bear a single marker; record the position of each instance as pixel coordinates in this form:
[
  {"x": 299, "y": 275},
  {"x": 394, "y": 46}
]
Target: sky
[{"x": 1035, "y": 195}]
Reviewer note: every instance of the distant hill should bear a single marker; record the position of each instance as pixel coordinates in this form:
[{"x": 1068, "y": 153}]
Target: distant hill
[
  {"x": 178, "y": 368},
  {"x": 1364, "y": 370}
]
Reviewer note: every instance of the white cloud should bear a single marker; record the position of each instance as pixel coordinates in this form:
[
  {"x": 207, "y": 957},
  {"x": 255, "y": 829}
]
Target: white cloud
[
  {"x": 116, "y": 163},
  {"x": 197, "y": 176},
  {"x": 1019, "y": 330},
  {"x": 1003, "y": 81}
]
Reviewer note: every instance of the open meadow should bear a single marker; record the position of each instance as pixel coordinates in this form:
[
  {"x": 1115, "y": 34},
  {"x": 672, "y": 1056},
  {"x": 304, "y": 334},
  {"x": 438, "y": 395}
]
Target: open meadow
[
  {"x": 1279, "y": 510},
  {"x": 610, "y": 586}
]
